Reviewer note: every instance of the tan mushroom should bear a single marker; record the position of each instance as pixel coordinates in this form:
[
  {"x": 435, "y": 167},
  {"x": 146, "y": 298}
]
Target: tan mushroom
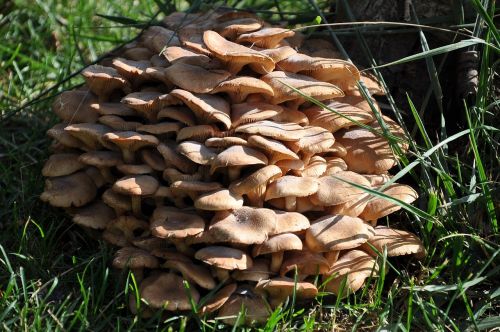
[
  {"x": 75, "y": 106},
  {"x": 276, "y": 246},
  {"x": 96, "y": 215},
  {"x": 224, "y": 259},
  {"x": 194, "y": 78},
  {"x": 254, "y": 185},
  {"x": 397, "y": 242},
  {"x": 337, "y": 232},
  {"x": 134, "y": 259},
  {"x": 290, "y": 187},
  {"x": 281, "y": 288},
  {"x": 136, "y": 186},
  {"x": 76, "y": 189},
  {"x": 218, "y": 200},
  {"x": 305, "y": 263},
  {"x": 235, "y": 158},
  {"x": 214, "y": 303},
  {"x": 104, "y": 80},
  {"x": 336, "y": 189},
  {"x": 275, "y": 150},
  {"x": 193, "y": 273},
  {"x": 255, "y": 309},
  {"x": 103, "y": 160},
  {"x": 266, "y": 37},
  {"x": 61, "y": 164},
  {"x": 238, "y": 88},
  {"x": 258, "y": 271},
  {"x": 196, "y": 152},
  {"x": 123, "y": 230},
  {"x": 252, "y": 111},
  {"x": 129, "y": 142}
]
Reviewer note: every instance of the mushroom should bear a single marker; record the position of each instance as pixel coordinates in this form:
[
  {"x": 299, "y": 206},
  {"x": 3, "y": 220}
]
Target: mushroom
[
  {"x": 195, "y": 78},
  {"x": 254, "y": 185},
  {"x": 218, "y": 299},
  {"x": 75, "y": 106},
  {"x": 196, "y": 152},
  {"x": 103, "y": 160},
  {"x": 135, "y": 259},
  {"x": 218, "y": 200},
  {"x": 238, "y": 88},
  {"x": 136, "y": 186},
  {"x": 336, "y": 189},
  {"x": 253, "y": 111},
  {"x": 255, "y": 309},
  {"x": 104, "y": 80},
  {"x": 76, "y": 189},
  {"x": 337, "y": 232},
  {"x": 397, "y": 242},
  {"x": 129, "y": 142},
  {"x": 276, "y": 245},
  {"x": 266, "y": 37},
  {"x": 235, "y": 158},
  {"x": 224, "y": 259},
  {"x": 96, "y": 215},
  {"x": 61, "y": 164},
  {"x": 166, "y": 291},
  {"x": 305, "y": 263},
  {"x": 279, "y": 289},
  {"x": 290, "y": 187},
  {"x": 275, "y": 150},
  {"x": 258, "y": 271},
  {"x": 192, "y": 272},
  {"x": 290, "y": 222},
  {"x": 125, "y": 229}
]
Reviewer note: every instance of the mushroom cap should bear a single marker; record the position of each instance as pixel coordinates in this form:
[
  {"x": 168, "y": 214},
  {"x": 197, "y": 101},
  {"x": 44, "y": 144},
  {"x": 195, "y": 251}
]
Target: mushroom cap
[
  {"x": 335, "y": 165},
  {"x": 398, "y": 242},
  {"x": 291, "y": 115},
  {"x": 178, "y": 113},
  {"x": 273, "y": 148},
  {"x": 195, "y": 78},
  {"x": 290, "y": 185},
  {"x": 331, "y": 121},
  {"x": 168, "y": 222},
  {"x": 89, "y": 133},
  {"x": 198, "y": 186},
  {"x": 60, "y": 164},
  {"x": 279, "y": 53},
  {"x": 132, "y": 70},
  {"x": 207, "y": 108},
  {"x": 230, "y": 29},
  {"x": 96, "y": 215},
  {"x": 196, "y": 152},
  {"x": 116, "y": 201},
  {"x": 117, "y": 123},
  {"x": 176, "y": 54},
  {"x": 306, "y": 263},
  {"x": 224, "y": 257},
  {"x": 161, "y": 128},
  {"x": 366, "y": 151},
  {"x": 245, "y": 225},
  {"x": 117, "y": 109},
  {"x": 125, "y": 229},
  {"x": 198, "y": 274},
  {"x": 255, "y": 308},
  {"x": 101, "y": 158},
  {"x": 63, "y": 137},
  {"x": 138, "y": 53},
  {"x": 266, "y": 37},
  {"x": 290, "y": 222},
  {"x": 238, "y": 155},
  {"x": 281, "y": 82},
  {"x": 171, "y": 175},
  {"x": 103, "y": 80},
  {"x": 281, "y": 287},
  {"x": 279, "y": 131},
  {"x": 377, "y": 180},
  {"x": 172, "y": 158},
  {"x": 258, "y": 271},
  {"x": 134, "y": 258},
  {"x": 198, "y": 133},
  {"x": 337, "y": 232},
  {"x": 218, "y": 299},
  {"x": 224, "y": 142},
  {"x": 236, "y": 54},
  {"x": 334, "y": 190},
  {"x": 153, "y": 158},
  {"x": 138, "y": 185},
  {"x": 147, "y": 104},
  {"x": 258, "y": 178},
  {"x": 358, "y": 265},
  {"x": 218, "y": 200},
  {"x": 166, "y": 290},
  {"x": 75, "y": 106},
  {"x": 253, "y": 111},
  {"x": 379, "y": 207},
  {"x": 76, "y": 189},
  {"x": 131, "y": 140},
  {"x": 315, "y": 167},
  {"x": 156, "y": 38},
  {"x": 314, "y": 140},
  {"x": 277, "y": 243},
  {"x": 238, "y": 88}
]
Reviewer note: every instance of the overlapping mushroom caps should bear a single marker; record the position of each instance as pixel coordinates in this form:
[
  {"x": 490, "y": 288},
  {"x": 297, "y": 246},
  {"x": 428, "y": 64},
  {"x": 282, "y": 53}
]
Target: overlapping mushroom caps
[{"x": 199, "y": 155}]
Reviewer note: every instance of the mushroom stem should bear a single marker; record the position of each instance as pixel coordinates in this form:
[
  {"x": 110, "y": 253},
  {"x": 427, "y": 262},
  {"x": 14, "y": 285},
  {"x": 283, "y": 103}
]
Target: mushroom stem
[
  {"x": 128, "y": 156},
  {"x": 372, "y": 222},
  {"x": 233, "y": 173},
  {"x": 182, "y": 247},
  {"x": 290, "y": 203},
  {"x": 332, "y": 256},
  {"x": 136, "y": 206},
  {"x": 233, "y": 67},
  {"x": 254, "y": 199},
  {"x": 276, "y": 260},
  {"x": 222, "y": 274}
]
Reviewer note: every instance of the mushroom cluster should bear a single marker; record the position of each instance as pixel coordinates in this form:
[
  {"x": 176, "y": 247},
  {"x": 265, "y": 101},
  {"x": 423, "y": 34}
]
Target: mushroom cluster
[{"x": 198, "y": 153}]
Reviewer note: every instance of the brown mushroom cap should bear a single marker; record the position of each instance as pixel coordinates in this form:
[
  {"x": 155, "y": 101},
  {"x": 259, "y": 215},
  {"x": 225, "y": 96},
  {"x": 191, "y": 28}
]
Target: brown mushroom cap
[
  {"x": 335, "y": 190},
  {"x": 207, "y": 108},
  {"x": 357, "y": 265},
  {"x": 234, "y": 55},
  {"x": 224, "y": 257},
  {"x": 161, "y": 128},
  {"x": 61, "y": 164},
  {"x": 178, "y": 113},
  {"x": 219, "y": 298},
  {"x": 130, "y": 141},
  {"x": 398, "y": 242},
  {"x": 281, "y": 82},
  {"x": 224, "y": 142},
  {"x": 147, "y": 104},
  {"x": 117, "y": 201},
  {"x": 258, "y": 271},
  {"x": 280, "y": 242},
  {"x": 102, "y": 158},
  {"x": 290, "y": 185},
  {"x": 128, "y": 169},
  {"x": 238, "y": 88},
  {"x": 125, "y": 229},
  {"x": 230, "y": 29},
  {"x": 75, "y": 106},
  {"x": 238, "y": 155},
  {"x": 96, "y": 215},
  {"x": 104, "y": 80},
  {"x": 166, "y": 291},
  {"x": 218, "y": 200},
  {"x": 379, "y": 207},
  {"x": 315, "y": 167},
  {"x": 279, "y": 131},
  {"x": 245, "y": 225},
  {"x": 117, "y": 123},
  {"x": 156, "y": 38},
  {"x": 117, "y": 109},
  {"x": 256, "y": 179},
  {"x": 174, "y": 159},
  {"x": 337, "y": 232},
  {"x": 306, "y": 263},
  {"x": 280, "y": 288},
  {"x": 274, "y": 149},
  {"x": 194, "y": 78},
  {"x": 139, "y": 185},
  {"x": 198, "y": 274},
  {"x": 176, "y": 54},
  {"x": 255, "y": 308},
  {"x": 290, "y": 222},
  {"x": 167, "y": 222},
  {"x": 134, "y": 258},
  {"x": 253, "y": 111},
  {"x": 89, "y": 133},
  {"x": 335, "y": 165},
  {"x": 196, "y": 152},
  {"x": 314, "y": 140},
  {"x": 266, "y": 37},
  {"x": 76, "y": 189}
]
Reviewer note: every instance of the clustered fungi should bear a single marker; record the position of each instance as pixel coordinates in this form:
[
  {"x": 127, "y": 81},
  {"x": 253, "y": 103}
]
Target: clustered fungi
[{"x": 192, "y": 153}]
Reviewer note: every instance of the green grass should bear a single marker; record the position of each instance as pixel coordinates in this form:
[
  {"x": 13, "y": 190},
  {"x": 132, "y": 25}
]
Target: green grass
[{"x": 54, "y": 276}]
